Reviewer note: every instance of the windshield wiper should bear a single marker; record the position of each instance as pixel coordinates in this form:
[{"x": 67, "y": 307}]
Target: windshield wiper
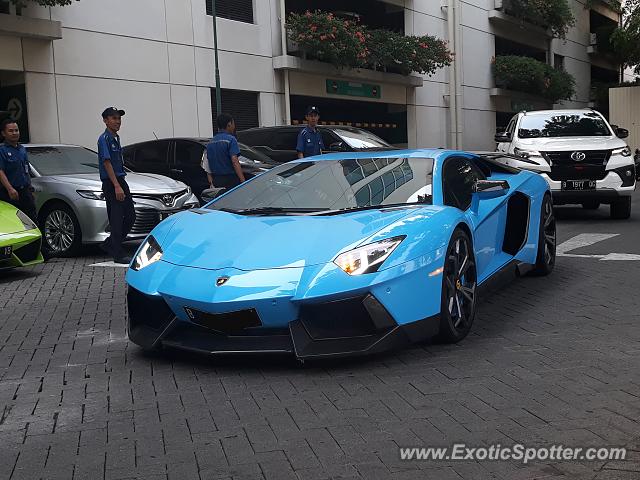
[
  {"x": 273, "y": 210},
  {"x": 427, "y": 201}
]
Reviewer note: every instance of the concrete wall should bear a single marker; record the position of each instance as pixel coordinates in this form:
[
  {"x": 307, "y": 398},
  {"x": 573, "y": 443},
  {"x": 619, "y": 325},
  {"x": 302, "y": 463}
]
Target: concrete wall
[{"x": 154, "y": 58}]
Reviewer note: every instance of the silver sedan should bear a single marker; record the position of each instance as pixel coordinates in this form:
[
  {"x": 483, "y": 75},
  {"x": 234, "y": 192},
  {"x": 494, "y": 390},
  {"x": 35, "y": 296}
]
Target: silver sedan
[{"x": 71, "y": 206}]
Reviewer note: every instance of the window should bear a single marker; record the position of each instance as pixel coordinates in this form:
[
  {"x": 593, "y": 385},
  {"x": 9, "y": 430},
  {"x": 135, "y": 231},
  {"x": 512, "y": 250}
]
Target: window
[
  {"x": 239, "y": 10},
  {"x": 284, "y": 139},
  {"x": 560, "y": 124},
  {"x": 558, "y": 62},
  {"x": 152, "y": 155},
  {"x": 240, "y": 104},
  {"x": 188, "y": 153},
  {"x": 460, "y": 175}
]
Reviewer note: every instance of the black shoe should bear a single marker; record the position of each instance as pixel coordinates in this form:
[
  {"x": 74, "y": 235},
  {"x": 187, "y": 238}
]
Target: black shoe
[{"x": 123, "y": 260}]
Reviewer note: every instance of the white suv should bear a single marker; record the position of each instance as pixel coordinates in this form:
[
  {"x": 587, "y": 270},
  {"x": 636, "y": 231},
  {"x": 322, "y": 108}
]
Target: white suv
[{"x": 581, "y": 156}]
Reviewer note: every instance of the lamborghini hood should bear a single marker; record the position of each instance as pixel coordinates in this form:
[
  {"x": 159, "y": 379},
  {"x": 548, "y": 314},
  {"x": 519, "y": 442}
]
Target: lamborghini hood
[{"x": 215, "y": 239}]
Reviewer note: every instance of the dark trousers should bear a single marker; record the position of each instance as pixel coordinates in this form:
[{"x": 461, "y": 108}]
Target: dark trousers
[
  {"x": 122, "y": 216},
  {"x": 25, "y": 201},
  {"x": 226, "y": 181}
]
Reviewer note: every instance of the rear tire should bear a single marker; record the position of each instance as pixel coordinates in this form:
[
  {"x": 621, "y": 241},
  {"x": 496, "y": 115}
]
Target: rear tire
[
  {"x": 61, "y": 234},
  {"x": 591, "y": 205},
  {"x": 621, "y": 208},
  {"x": 546, "y": 257},
  {"x": 459, "y": 286}
]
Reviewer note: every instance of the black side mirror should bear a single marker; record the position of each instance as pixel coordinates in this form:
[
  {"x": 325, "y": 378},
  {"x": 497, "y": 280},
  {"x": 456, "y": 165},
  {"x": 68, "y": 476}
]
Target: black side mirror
[
  {"x": 502, "y": 137},
  {"x": 490, "y": 188},
  {"x": 622, "y": 132}
]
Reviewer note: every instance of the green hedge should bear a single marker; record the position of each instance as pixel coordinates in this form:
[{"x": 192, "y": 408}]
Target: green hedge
[
  {"x": 553, "y": 14},
  {"x": 528, "y": 75},
  {"x": 345, "y": 43}
]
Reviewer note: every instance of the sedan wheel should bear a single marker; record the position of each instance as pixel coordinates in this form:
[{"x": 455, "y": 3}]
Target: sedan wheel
[
  {"x": 61, "y": 231},
  {"x": 458, "y": 289}
]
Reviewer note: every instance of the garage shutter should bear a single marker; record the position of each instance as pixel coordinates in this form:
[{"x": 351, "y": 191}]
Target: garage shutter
[
  {"x": 239, "y": 10},
  {"x": 240, "y": 104}
]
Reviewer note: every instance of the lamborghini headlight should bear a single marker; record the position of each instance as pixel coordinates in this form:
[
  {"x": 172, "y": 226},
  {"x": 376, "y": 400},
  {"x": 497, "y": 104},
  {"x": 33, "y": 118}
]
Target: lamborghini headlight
[
  {"x": 368, "y": 258},
  {"x": 149, "y": 253},
  {"x": 624, "y": 151},
  {"x": 26, "y": 221}
]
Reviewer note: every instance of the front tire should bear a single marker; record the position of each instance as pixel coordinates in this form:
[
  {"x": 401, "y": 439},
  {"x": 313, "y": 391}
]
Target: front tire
[
  {"x": 459, "y": 285},
  {"x": 546, "y": 257},
  {"x": 621, "y": 208},
  {"x": 61, "y": 234}
]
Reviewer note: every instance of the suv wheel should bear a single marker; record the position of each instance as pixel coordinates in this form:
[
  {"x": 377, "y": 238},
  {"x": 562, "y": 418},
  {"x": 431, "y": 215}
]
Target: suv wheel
[{"x": 621, "y": 208}]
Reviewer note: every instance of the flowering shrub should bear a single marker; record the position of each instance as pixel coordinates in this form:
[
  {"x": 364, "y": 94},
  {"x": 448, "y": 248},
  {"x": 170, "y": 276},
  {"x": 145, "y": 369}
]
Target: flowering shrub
[
  {"x": 347, "y": 43},
  {"x": 553, "y": 14},
  {"x": 528, "y": 75}
]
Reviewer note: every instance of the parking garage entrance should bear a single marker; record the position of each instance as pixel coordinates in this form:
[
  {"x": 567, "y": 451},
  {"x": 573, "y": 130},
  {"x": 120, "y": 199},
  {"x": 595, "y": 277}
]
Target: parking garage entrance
[
  {"x": 387, "y": 120},
  {"x": 13, "y": 101}
]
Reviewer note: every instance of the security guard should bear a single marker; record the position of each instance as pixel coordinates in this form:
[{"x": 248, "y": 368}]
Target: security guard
[
  {"x": 309, "y": 139},
  {"x": 222, "y": 155},
  {"x": 15, "y": 180},
  {"x": 120, "y": 209}
]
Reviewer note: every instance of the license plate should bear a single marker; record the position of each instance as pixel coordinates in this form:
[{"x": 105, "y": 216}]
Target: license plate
[
  {"x": 579, "y": 185},
  {"x": 5, "y": 252}
]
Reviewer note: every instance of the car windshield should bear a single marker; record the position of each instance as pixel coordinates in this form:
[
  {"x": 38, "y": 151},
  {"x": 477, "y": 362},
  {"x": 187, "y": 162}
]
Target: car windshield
[
  {"x": 360, "y": 139},
  {"x": 253, "y": 155},
  {"x": 333, "y": 186},
  {"x": 588, "y": 124},
  {"x": 63, "y": 160}
]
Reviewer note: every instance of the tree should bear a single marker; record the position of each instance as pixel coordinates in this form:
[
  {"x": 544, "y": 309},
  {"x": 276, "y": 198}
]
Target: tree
[{"x": 625, "y": 39}]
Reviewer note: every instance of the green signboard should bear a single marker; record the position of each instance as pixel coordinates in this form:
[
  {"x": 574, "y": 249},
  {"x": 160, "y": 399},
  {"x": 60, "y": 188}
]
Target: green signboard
[{"x": 353, "y": 89}]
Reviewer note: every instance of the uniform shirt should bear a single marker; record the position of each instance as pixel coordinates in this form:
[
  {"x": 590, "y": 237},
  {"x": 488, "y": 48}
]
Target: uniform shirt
[
  {"x": 14, "y": 163},
  {"x": 310, "y": 142},
  {"x": 109, "y": 149},
  {"x": 220, "y": 149}
]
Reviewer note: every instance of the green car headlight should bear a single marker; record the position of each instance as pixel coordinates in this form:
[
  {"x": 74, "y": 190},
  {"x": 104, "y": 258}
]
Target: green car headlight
[
  {"x": 26, "y": 221},
  {"x": 149, "y": 254}
]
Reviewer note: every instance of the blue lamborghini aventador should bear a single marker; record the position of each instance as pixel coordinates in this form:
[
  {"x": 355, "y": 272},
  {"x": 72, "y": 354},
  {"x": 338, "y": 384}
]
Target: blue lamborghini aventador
[{"x": 342, "y": 254}]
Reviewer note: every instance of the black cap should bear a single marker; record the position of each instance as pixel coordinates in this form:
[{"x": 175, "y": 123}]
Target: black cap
[
  {"x": 311, "y": 110},
  {"x": 112, "y": 111}
]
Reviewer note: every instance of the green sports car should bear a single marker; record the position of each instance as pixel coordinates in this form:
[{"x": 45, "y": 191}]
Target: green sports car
[{"x": 20, "y": 239}]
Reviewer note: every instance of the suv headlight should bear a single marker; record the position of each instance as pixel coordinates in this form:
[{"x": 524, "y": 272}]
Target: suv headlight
[
  {"x": 368, "y": 258},
  {"x": 624, "y": 151},
  {"x": 26, "y": 221},
  {"x": 91, "y": 194},
  {"x": 526, "y": 153},
  {"x": 149, "y": 253}
]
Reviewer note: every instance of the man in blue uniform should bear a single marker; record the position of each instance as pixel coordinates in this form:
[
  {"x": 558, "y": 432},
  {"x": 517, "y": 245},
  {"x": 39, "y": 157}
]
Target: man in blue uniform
[
  {"x": 120, "y": 209},
  {"x": 15, "y": 180},
  {"x": 310, "y": 140},
  {"x": 222, "y": 155}
]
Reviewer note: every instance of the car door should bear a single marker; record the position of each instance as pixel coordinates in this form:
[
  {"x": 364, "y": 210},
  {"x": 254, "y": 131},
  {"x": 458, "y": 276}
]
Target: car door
[
  {"x": 459, "y": 177},
  {"x": 153, "y": 157},
  {"x": 186, "y": 166}
]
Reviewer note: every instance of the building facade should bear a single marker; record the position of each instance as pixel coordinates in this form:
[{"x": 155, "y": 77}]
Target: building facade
[{"x": 154, "y": 58}]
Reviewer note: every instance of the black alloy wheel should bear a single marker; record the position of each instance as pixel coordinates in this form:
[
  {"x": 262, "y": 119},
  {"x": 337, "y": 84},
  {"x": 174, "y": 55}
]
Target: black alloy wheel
[
  {"x": 546, "y": 258},
  {"x": 459, "y": 285}
]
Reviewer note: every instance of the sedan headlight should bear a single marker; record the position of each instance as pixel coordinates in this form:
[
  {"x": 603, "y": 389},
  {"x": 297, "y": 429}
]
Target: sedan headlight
[
  {"x": 91, "y": 194},
  {"x": 149, "y": 253},
  {"x": 624, "y": 151},
  {"x": 26, "y": 221},
  {"x": 368, "y": 258}
]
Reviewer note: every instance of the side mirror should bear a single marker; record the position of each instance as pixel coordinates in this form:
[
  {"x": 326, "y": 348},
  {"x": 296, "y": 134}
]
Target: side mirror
[
  {"x": 622, "y": 132},
  {"x": 502, "y": 137},
  {"x": 484, "y": 189}
]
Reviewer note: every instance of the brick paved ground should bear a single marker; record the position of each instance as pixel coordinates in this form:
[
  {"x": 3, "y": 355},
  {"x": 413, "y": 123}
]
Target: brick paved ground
[{"x": 549, "y": 361}]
